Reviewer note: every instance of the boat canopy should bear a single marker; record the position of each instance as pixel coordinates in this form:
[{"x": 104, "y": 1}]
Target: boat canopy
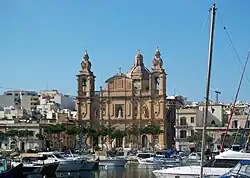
[{"x": 245, "y": 162}]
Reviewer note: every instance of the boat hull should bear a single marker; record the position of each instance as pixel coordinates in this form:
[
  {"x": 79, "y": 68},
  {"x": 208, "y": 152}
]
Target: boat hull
[
  {"x": 113, "y": 162},
  {"x": 79, "y": 174},
  {"x": 77, "y": 165},
  {"x": 189, "y": 172}
]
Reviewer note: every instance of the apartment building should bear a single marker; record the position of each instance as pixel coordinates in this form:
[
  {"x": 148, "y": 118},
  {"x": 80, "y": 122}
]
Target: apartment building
[
  {"x": 19, "y": 99},
  {"x": 60, "y": 100},
  {"x": 189, "y": 120}
]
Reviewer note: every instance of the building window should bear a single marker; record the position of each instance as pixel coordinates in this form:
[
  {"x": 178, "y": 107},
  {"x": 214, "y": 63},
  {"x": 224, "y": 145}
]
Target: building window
[
  {"x": 192, "y": 119},
  {"x": 213, "y": 122},
  {"x": 248, "y": 124},
  {"x": 183, "y": 134},
  {"x": 118, "y": 110},
  {"x": 183, "y": 121},
  {"x": 84, "y": 82},
  {"x": 235, "y": 124},
  {"x": 157, "y": 83},
  {"x": 192, "y": 132},
  {"x": 120, "y": 83}
]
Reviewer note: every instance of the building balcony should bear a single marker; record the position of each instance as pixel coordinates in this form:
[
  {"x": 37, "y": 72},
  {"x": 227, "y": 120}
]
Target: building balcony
[
  {"x": 186, "y": 111},
  {"x": 184, "y": 127}
]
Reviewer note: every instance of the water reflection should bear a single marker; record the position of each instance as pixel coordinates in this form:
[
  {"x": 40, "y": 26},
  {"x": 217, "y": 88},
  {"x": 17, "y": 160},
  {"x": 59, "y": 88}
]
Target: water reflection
[{"x": 132, "y": 171}]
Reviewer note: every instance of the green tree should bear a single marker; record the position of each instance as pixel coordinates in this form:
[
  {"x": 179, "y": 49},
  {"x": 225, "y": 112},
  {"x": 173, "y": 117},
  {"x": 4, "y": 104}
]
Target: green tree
[
  {"x": 39, "y": 136},
  {"x": 12, "y": 133},
  {"x": 2, "y": 135},
  {"x": 55, "y": 129},
  {"x": 154, "y": 131},
  {"x": 23, "y": 133},
  {"x": 117, "y": 135},
  {"x": 197, "y": 139},
  {"x": 133, "y": 133},
  {"x": 103, "y": 132}
]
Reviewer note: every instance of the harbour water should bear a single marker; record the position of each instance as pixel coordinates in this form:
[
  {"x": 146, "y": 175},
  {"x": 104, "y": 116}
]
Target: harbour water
[{"x": 130, "y": 171}]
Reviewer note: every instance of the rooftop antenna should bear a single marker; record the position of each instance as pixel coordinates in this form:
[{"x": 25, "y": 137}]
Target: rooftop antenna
[
  {"x": 217, "y": 93},
  {"x": 120, "y": 70}
]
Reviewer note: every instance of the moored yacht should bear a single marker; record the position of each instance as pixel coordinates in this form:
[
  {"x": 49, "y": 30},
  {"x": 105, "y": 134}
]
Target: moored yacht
[
  {"x": 220, "y": 165},
  {"x": 166, "y": 158}
]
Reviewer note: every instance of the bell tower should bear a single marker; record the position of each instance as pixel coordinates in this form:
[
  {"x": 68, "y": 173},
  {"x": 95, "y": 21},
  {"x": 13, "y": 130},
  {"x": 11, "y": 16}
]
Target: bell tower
[
  {"x": 158, "y": 77},
  {"x": 158, "y": 91},
  {"x": 86, "y": 90}
]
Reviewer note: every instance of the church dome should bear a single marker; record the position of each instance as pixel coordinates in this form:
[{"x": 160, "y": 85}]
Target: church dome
[{"x": 138, "y": 70}]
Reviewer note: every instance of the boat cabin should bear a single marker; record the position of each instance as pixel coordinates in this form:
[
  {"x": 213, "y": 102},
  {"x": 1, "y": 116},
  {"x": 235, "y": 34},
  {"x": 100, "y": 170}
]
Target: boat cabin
[
  {"x": 145, "y": 155},
  {"x": 227, "y": 159}
]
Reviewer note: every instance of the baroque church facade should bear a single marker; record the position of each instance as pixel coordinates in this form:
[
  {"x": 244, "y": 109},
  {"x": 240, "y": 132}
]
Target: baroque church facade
[{"x": 134, "y": 98}]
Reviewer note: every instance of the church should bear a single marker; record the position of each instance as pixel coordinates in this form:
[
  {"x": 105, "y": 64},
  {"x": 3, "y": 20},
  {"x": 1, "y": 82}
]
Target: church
[{"x": 137, "y": 97}]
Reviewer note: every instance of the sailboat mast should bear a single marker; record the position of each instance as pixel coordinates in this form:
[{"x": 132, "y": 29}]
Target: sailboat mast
[{"x": 210, "y": 55}]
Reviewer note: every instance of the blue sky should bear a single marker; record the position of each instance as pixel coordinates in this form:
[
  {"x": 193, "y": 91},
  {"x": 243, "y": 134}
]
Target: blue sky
[{"x": 43, "y": 41}]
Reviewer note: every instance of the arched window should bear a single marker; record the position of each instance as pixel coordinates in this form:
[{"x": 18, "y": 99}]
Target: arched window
[
  {"x": 84, "y": 82},
  {"x": 157, "y": 83},
  {"x": 213, "y": 122}
]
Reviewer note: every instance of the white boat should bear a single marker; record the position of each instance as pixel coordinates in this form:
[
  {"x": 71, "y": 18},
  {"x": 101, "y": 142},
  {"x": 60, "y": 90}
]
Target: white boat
[
  {"x": 192, "y": 159},
  {"x": 142, "y": 157},
  {"x": 242, "y": 169},
  {"x": 112, "y": 161},
  {"x": 28, "y": 160},
  {"x": 222, "y": 163},
  {"x": 166, "y": 158},
  {"x": 68, "y": 165}
]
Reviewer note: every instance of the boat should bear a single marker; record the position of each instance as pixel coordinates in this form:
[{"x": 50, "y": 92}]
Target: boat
[
  {"x": 218, "y": 166},
  {"x": 112, "y": 162},
  {"x": 141, "y": 156},
  {"x": 226, "y": 160},
  {"x": 242, "y": 169},
  {"x": 47, "y": 170},
  {"x": 166, "y": 158},
  {"x": 109, "y": 159},
  {"x": 68, "y": 165},
  {"x": 7, "y": 171},
  {"x": 28, "y": 160},
  {"x": 192, "y": 159}
]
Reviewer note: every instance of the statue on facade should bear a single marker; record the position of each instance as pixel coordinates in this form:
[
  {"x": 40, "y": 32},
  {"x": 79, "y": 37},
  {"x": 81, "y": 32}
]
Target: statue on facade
[
  {"x": 157, "y": 61},
  {"x": 120, "y": 113},
  {"x": 86, "y": 64}
]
